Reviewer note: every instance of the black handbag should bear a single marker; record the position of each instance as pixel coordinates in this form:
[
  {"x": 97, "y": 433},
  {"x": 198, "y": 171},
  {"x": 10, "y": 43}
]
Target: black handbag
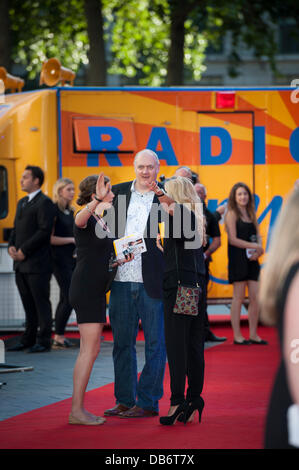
[{"x": 187, "y": 297}]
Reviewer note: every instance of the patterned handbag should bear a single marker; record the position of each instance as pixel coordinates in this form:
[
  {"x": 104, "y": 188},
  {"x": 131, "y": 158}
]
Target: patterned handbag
[{"x": 187, "y": 297}]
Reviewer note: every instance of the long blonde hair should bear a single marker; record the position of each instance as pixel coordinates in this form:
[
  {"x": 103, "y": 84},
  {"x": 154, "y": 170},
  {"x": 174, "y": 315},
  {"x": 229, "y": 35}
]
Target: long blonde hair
[
  {"x": 182, "y": 191},
  {"x": 58, "y": 185},
  {"x": 283, "y": 253}
]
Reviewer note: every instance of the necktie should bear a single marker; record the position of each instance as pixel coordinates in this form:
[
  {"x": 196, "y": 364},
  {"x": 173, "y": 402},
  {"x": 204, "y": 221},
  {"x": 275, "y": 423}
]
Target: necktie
[
  {"x": 25, "y": 201},
  {"x": 23, "y": 205}
]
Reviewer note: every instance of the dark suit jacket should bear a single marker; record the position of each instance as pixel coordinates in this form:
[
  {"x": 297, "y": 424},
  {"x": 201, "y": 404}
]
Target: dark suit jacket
[
  {"x": 152, "y": 259},
  {"x": 31, "y": 232}
]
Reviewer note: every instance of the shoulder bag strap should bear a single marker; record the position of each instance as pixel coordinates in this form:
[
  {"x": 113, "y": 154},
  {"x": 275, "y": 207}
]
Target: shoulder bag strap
[{"x": 177, "y": 264}]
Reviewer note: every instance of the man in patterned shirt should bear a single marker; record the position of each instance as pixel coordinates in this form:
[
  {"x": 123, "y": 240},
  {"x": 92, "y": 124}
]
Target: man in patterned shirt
[{"x": 136, "y": 294}]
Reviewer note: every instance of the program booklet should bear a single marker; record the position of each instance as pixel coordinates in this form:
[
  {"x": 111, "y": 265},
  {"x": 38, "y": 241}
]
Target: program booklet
[
  {"x": 124, "y": 246},
  {"x": 250, "y": 252}
]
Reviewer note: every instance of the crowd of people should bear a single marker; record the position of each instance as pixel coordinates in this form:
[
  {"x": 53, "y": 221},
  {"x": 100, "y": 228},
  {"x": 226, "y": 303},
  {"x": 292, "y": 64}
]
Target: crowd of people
[{"x": 77, "y": 248}]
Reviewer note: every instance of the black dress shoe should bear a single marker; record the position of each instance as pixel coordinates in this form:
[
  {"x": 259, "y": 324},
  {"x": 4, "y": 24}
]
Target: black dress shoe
[
  {"x": 210, "y": 337},
  {"x": 37, "y": 348},
  {"x": 261, "y": 341}
]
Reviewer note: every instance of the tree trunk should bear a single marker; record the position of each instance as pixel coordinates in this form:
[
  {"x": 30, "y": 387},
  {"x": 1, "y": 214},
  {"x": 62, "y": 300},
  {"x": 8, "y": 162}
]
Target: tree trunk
[
  {"x": 5, "y": 42},
  {"x": 175, "y": 66},
  {"x": 97, "y": 72}
]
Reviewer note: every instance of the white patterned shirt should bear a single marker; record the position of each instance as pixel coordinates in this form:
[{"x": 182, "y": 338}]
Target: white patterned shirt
[{"x": 137, "y": 215}]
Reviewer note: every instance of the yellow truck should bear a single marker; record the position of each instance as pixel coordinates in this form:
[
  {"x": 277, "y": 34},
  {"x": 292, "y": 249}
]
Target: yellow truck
[{"x": 225, "y": 135}]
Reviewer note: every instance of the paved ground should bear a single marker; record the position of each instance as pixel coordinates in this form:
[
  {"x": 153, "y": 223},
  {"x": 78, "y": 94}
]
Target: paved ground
[
  {"x": 49, "y": 381},
  {"x": 51, "y": 378}
]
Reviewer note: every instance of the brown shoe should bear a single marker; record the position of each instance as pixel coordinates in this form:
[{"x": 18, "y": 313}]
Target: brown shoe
[
  {"x": 137, "y": 412},
  {"x": 116, "y": 410}
]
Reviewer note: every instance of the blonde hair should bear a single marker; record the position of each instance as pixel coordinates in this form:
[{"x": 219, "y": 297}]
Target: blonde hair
[
  {"x": 58, "y": 185},
  {"x": 182, "y": 191},
  {"x": 283, "y": 253}
]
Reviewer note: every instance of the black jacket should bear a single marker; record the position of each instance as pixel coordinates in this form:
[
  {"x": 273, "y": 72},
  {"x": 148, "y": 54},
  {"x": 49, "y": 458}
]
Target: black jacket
[
  {"x": 152, "y": 259},
  {"x": 31, "y": 232},
  {"x": 183, "y": 262}
]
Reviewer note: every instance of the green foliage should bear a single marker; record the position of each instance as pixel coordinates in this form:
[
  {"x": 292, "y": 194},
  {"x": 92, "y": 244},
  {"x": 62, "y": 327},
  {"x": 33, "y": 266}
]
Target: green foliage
[
  {"x": 139, "y": 35},
  {"x": 139, "y": 31},
  {"x": 48, "y": 28}
]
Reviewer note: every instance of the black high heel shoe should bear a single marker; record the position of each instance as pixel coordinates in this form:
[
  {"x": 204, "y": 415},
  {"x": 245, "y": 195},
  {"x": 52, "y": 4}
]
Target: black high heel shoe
[
  {"x": 198, "y": 404},
  {"x": 169, "y": 420}
]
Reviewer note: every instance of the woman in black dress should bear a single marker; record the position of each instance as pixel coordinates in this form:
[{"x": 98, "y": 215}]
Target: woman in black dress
[
  {"x": 184, "y": 334},
  {"x": 244, "y": 249},
  {"x": 279, "y": 301},
  {"x": 63, "y": 260},
  {"x": 89, "y": 284}
]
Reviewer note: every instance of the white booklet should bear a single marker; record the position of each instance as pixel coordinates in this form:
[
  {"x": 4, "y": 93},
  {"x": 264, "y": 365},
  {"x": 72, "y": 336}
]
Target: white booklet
[
  {"x": 124, "y": 246},
  {"x": 250, "y": 252}
]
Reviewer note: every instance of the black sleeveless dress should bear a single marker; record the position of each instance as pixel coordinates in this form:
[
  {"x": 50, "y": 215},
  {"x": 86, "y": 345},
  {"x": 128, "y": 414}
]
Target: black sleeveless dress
[
  {"x": 63, "y": 255},
  {"x": 91, "y": 275},
  {"x": 240, "y": 268},
  {"x": 276, "y": 432}
]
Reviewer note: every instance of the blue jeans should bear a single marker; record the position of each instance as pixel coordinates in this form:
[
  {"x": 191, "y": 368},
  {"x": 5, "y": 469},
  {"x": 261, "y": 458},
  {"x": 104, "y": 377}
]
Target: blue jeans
[{"x": 130, "y": 303}]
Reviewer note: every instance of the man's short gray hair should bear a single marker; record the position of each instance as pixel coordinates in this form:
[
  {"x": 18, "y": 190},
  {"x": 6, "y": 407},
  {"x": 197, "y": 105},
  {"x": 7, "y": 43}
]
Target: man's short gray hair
[
  {"x": 149, "y": 152},
  {"x": 186, "y": 168}
]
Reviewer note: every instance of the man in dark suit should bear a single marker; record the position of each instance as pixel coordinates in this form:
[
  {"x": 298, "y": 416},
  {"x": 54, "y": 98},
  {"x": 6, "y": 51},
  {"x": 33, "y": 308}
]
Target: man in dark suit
[
  {"x": 136, "y": 294},
  {"x": 29, "y": 247}
]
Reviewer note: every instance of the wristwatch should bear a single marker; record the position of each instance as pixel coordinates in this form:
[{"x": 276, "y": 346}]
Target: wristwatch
[{"x": 162, "y": 193}]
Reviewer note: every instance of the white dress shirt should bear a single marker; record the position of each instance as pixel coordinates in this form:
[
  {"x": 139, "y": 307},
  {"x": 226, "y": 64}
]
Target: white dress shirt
[
  {"x": 32, "y": 195},
  {"x": 137, "y": 215}
]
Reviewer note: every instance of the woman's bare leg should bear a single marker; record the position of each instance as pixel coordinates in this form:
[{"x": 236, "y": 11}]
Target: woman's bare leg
[
  {"x": 90, "y": 337},
  {"x": 253, "y": 310},
  {"x": 235, "y": 312}
]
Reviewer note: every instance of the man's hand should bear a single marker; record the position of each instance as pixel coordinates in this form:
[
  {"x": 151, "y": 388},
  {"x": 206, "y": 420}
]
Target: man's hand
[
  {"x": 12, "y": 252},
  {"x": 159, "y": 242},
  {"x": 19, "y": 255},
  {"x": 153, "y": 186}
]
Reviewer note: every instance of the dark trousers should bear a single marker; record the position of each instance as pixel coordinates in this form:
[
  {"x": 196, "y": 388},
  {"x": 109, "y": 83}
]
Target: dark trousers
[
  {"x": 184, "y": 338},
  {"x": 63, "y": 276},
  {"x": 207, "y": 280},
  {"x": 34, "y": 290}
]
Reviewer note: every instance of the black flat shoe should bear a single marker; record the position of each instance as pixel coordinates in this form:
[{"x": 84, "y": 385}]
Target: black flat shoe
[
  {"x": 169, "y": 420},
  {"x": 244, "y": 342},
  {"x": 262, "y": 341}
]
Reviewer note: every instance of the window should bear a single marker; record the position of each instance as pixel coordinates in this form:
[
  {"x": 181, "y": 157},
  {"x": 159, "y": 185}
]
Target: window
[
  {"x": 211, "y": 80},
  {"x": 288, "y": 38},
  {"x": 3, "y": 193}
]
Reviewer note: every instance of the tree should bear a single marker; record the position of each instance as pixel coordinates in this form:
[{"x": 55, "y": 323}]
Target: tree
[
  {"x": 150, "y": 42},
  {"x": 5, "y": 38},
  {"x": 96, "y": 53},
  {"x": 179, "y": 14},
  {"x": 48, "y": 28},
  {"x": 139, "y": 34},
  {"x": 158, "y": 41}
]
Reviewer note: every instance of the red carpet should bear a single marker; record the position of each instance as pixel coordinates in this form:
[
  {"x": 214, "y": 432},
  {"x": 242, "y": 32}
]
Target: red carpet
[{"x": 238, "y": 381}]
